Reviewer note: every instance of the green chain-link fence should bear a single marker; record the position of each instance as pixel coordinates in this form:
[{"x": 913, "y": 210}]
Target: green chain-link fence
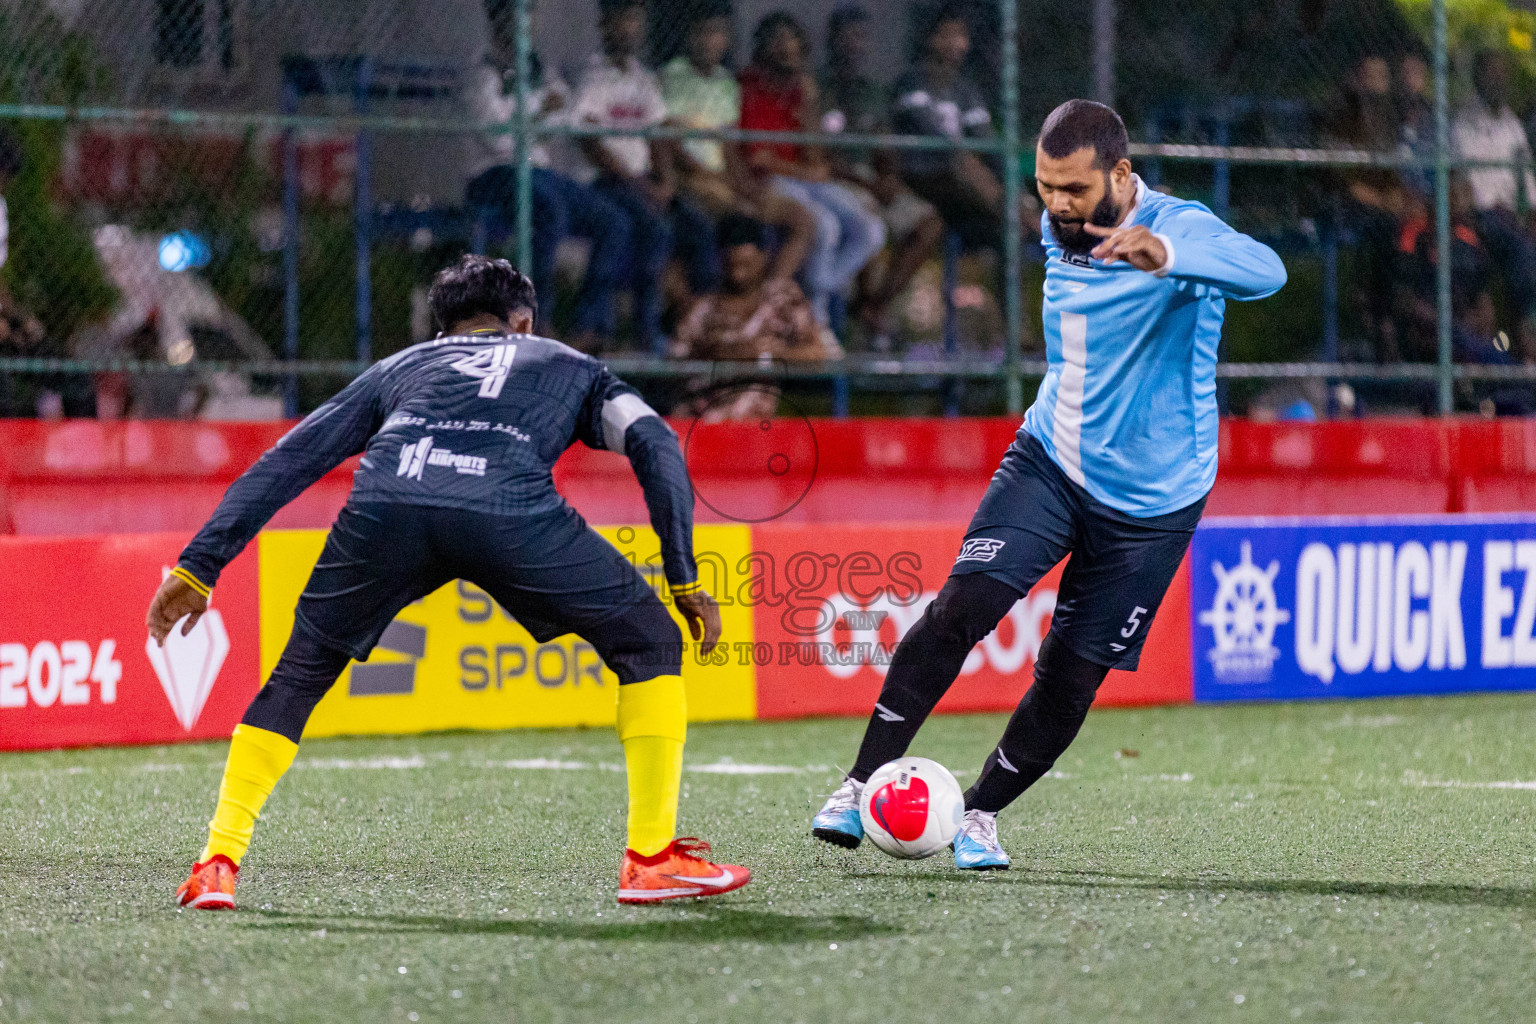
[{"x": 228, "y": 207}]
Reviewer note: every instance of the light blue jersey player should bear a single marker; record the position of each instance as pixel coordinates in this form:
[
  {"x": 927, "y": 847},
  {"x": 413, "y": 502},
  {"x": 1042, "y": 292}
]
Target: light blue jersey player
[{"x": 1112, "y": 466}]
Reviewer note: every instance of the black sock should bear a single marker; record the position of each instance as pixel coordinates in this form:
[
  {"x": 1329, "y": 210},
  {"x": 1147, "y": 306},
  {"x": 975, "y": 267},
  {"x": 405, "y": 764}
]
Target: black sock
[
  {"x": 927, "y": 661},
  {"x": 1043, "y": 725}
]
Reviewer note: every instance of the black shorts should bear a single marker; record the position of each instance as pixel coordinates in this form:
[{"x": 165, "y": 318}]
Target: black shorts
[
  {"x": 551, "y": 572},
  {"x": 1032, "y": 517}
]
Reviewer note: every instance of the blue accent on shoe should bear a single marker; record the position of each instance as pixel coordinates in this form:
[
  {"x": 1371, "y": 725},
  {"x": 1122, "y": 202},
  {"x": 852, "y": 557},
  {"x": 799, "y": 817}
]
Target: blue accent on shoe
[
  {"x": 840, "y": 828},
  {"x": 972, "y": 856}
]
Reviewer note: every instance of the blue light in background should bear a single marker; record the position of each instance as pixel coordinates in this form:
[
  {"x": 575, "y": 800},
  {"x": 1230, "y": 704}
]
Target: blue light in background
[{"x": 182, "y": 250}]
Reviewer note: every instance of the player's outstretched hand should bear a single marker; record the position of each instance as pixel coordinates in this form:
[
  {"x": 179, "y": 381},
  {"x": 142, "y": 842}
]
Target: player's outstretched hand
[
  {"x": 703, "y": 618},
  {"x": 176, "y": 600},
  {"x": 1137, "y": 245}
]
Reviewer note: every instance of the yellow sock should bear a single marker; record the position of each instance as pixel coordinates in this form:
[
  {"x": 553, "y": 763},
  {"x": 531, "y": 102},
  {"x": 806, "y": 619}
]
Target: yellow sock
[
  {"x": 653, "y": 723},
  {"x": 257, "y": 759}
]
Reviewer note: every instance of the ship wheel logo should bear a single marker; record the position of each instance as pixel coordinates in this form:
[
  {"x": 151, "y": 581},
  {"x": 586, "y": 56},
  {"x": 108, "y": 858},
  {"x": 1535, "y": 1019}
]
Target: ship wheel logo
[{"x": 1243, "y": 619}]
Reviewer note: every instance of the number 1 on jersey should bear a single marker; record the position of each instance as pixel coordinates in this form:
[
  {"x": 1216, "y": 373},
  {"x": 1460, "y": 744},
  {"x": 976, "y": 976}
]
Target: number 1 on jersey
[{"x": 491, "y": 365}]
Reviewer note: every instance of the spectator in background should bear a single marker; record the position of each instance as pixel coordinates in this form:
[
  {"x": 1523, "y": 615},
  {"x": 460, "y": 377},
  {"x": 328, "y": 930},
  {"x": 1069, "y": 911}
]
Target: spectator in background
[
  {"x": 1486, "y": 129},
  {"x": 851, "y": 101},
  {"x": 1475, "y": 335},
  {"x": 778, "y": 95},
  {"x": 753, "y": 318},
  {"x": 701, "y": 93},
  {"x": 21, "y": 333},
  {"x": 636, "y": 175},
  {"x": 1367, "y": 116},
  {"x": 1416, "y": 114},
  {"x": 936, "y": 98},
  {"x": 562, "y": 206}
]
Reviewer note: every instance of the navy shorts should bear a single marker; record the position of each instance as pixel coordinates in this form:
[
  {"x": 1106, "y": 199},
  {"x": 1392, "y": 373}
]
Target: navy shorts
[
  {"x": 1032, "y": 517},
  {"x": 551, "y": 572}
]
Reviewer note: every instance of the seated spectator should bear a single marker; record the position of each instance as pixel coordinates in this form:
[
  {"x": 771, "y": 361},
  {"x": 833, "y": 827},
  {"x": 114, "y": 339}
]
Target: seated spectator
[
  {"x": 1414, "y": 277},
  {"x": 562, "y": 206},
  {"x": 753, "y": 318},
  {"x": 618, "y": 92},
  {"x": 778, "y": 95},
  {"x": 1486, "y": 129},
  {"x": 851, "y": 101},
  {"x": 1367, "y": 116},
  {"x": 701, "y": 94},
  {"x": 937, "y": 98},
  {"x": 1475, "y": 334}
]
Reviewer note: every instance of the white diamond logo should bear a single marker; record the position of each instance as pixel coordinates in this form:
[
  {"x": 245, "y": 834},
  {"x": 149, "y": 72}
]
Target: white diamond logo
[{"x": 187, "y": 666}]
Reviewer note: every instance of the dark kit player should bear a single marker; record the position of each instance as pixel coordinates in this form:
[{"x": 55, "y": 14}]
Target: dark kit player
[
  {"x": 458, "y": 436},
  {"x": 1111, "y": 467}
]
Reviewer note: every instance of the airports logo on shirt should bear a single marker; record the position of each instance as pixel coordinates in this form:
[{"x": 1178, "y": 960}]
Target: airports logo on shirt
[{"x": 416, "y": 457}]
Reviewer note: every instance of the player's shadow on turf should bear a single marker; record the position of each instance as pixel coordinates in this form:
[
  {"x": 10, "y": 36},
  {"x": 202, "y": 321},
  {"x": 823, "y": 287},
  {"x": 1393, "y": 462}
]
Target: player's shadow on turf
[
  {"x": 713, "y": 924},
  {"x": 1426, "y": 892}
]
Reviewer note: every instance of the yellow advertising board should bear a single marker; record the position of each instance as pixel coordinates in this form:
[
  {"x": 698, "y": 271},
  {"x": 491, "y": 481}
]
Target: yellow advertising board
[{"x": 456, "y": 660}]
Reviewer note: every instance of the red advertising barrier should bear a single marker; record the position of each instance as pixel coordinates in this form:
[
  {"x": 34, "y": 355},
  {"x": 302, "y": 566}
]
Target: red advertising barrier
[
  {"x": 75, "y": 667},
  {"x": 83, "y": 476},
  {"x": 834, "y": 601}
]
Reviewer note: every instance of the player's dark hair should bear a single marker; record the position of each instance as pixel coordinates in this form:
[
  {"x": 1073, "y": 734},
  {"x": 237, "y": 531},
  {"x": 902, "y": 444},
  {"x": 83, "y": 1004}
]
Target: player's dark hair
[
  {"x": 766, "y": 29},
  {"x": 1084, "y": 124},
  {"x": 479, "y": 284},
  {"x": 739, "y": 229}
]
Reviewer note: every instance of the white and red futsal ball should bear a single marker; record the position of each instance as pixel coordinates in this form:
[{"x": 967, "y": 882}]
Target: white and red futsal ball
[{"x": 911, "y": 808}]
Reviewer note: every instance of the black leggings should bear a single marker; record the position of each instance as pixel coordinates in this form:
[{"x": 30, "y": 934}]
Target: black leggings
[{"x": 551, "y": 572}]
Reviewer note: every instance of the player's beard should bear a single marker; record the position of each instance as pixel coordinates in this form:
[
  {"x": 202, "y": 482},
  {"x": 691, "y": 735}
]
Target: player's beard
[{"x": 1071, "y": 234}]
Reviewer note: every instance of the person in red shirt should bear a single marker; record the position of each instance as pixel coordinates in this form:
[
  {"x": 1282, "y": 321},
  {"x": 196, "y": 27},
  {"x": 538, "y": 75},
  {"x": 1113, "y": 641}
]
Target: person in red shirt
[{"x": 778, "y": 94}]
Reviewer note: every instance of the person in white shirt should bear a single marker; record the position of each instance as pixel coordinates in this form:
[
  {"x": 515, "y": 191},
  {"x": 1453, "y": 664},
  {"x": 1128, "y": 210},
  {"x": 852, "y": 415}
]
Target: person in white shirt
[
  {"x": 1487, "y": 129},
  {"x": 637, "y": 175},
  {"x": 562, "y": 206}
]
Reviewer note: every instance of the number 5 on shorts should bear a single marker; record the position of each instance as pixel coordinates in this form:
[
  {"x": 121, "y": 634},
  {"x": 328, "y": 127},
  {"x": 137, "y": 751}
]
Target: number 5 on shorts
[{"x": 1133, "y": 623}]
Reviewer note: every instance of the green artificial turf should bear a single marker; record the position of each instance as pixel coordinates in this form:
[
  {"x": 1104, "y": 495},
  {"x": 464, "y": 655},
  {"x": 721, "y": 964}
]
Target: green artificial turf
[{"x": 1312, "y": 862}]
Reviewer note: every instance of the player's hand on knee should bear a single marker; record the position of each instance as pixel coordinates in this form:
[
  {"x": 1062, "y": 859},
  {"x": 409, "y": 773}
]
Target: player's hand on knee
[
  {"x": 176, "y": 600},
  {"x": 1137, "y": 245},
  {"x": 703, "y": 617}
]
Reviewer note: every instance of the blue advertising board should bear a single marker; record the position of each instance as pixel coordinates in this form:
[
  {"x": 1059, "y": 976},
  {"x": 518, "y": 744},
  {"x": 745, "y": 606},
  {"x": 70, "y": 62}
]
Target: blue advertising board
[{"x": 1287, "y": 608}]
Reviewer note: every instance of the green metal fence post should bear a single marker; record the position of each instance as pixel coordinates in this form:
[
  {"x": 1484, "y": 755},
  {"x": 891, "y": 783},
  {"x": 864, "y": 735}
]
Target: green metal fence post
[
  {"x": 1012, "y": 256},
  {"x": 1442, "y": 211},
  {"x": 524, "y": 166}
]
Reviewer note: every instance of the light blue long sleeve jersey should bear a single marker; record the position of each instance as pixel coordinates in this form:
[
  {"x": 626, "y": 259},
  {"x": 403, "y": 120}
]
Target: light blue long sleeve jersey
[{"x": 1128, "y": 405}]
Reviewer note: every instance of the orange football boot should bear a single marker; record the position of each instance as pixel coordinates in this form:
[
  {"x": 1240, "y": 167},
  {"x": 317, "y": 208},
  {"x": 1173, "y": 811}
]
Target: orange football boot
[
  {"x": 675, "y": 873},
  {"x": 212, "y": 885}
]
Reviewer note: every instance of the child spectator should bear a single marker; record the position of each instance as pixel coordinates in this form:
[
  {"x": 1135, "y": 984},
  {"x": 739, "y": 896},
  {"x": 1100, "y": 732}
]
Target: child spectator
[
  {"x": 753, "y": 318},
  {"x": 778, "y": 95}
]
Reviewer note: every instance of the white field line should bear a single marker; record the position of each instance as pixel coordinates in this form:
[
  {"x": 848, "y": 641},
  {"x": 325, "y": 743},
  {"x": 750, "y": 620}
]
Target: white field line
[
  {"x": 724, "y": 766},
  {"x": 1415, "y": 779},
  {"x": 369, "y": 763}
]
